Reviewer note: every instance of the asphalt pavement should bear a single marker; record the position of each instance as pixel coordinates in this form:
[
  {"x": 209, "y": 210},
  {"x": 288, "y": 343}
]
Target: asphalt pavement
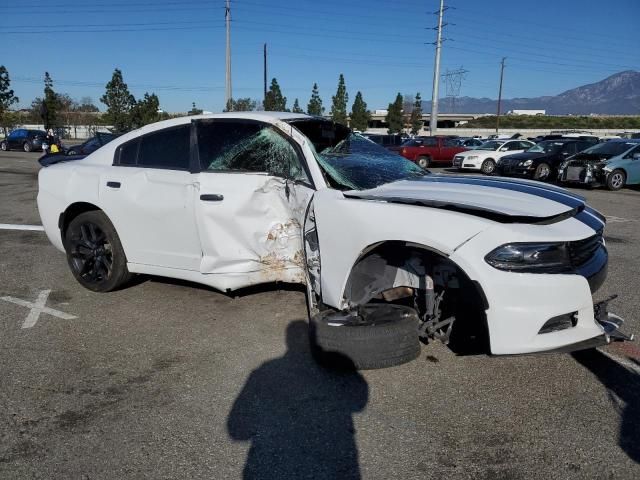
[{"x": 167, "y": 379}]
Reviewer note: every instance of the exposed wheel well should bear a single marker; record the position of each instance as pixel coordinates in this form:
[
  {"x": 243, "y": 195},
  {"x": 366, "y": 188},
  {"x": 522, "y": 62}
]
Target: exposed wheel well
[
  {"x": 402, "y": 272},
  {"x": 72, "y": 212}
]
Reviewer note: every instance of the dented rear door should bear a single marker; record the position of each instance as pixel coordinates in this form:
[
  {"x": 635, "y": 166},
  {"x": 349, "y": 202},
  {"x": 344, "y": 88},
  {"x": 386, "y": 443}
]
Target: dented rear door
[{"x": 250, "y": 204}]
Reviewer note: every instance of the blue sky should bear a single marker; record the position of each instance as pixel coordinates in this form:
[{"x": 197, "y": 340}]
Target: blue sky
[{"x": 176, "y": 48}]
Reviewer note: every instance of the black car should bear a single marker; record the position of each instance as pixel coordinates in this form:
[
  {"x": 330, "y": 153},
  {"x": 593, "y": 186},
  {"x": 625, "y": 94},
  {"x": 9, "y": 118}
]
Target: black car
[
  {"x": 541, "y": 162},
  {"x": 23, "y": 139},
  {"x": 92, "y": 144}
]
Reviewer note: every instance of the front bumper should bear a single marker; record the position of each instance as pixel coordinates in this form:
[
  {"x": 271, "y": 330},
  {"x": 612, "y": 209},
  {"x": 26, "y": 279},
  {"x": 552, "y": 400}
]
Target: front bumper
[
  {"x": 514, "y": 170},
  {"x": 610, "y": 323},
  {"x": 582, "y": 174},
  {"x": 522, "y": 305},
  {"x": 465, "y": 163}
]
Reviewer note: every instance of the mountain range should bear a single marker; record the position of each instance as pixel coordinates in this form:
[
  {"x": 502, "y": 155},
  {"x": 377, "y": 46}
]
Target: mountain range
[{"x": 618, "y": 94}]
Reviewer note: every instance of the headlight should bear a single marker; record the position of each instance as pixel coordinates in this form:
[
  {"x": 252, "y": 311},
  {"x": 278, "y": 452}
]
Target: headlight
[
  {"x": 472, "y": 157},
  {"x": 530, "y": 257},
  {"x": 526, "y": 163}
]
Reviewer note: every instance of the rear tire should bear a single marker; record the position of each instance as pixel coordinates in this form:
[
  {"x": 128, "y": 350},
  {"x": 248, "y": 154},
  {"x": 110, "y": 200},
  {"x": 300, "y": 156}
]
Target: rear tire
[
  {"x": 424, "y": 162},
  {"x": 4, "y": 146},
  {"x": 543, "y": 172},
  {"x": 384, "y": 336},
  {"x": 488, "y": 166},
  {"x": 616, "y": 180},
  {"x": 27, "y": 147},
  {"x": 94, "y": 252}
]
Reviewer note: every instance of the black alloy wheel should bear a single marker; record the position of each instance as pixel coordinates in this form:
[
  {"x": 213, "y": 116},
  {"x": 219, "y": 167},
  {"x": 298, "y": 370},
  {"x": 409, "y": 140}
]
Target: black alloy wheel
[{"x": 94, "y": 252}]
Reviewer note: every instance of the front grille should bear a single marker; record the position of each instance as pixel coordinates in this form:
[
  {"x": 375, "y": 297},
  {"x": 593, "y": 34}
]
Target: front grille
[{"x": 581, "y": 251}]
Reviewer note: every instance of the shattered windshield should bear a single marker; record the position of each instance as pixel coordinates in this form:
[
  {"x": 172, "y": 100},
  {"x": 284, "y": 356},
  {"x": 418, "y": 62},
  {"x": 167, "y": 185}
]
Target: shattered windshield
[
  {"x": 548, "y": 146},
  {"x": 358, "y": 163}
]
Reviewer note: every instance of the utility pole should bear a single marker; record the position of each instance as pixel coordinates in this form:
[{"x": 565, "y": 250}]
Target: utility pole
[
  {"x": 265, "y": 72},
  {"x": 500, "y": 94},
  {"x": 433, "y": 118},
  {"x": 227, "y": 18}
]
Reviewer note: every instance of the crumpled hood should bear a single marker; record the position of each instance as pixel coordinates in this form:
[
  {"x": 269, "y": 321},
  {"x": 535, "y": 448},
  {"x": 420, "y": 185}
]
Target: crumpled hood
[{"x": 502, "y": 199}]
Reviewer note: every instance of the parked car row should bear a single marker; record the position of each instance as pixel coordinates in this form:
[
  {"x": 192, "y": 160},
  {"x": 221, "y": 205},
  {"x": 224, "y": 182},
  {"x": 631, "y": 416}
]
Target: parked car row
[
  {"x": 36, "y": 141},
  {"x": 23, "y": 139},
  {"x": 578, "y": 158}
]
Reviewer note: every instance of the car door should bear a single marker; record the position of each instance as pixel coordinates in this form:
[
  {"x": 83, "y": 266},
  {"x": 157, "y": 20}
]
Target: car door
[
  {"x": 149, "y": 195},
  {"x": 632, "y": 165},
  {"x": 448, "y": 148},
  {"x": 254, "y": 189},
  {"x": 16, "y": 138}
]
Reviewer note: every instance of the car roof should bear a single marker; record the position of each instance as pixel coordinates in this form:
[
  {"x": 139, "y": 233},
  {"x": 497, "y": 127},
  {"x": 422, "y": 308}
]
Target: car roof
[
  {"x": 268, "y": 117},
  {"x": 624, "y": 140}
]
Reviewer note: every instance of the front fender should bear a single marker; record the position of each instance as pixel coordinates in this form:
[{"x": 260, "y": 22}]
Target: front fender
[{"x": 348, "y": 227}]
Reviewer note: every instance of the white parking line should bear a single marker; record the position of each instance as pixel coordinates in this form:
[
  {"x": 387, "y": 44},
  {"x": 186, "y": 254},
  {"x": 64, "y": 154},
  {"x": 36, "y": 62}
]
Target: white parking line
[
  {"x": 37, "y": 308},
  {"x": 9, "y": 226}
]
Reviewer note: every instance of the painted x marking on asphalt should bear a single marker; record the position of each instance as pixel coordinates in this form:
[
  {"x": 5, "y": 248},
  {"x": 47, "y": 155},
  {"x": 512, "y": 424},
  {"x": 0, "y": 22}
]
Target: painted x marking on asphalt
[{"x": 38, "y": 307}]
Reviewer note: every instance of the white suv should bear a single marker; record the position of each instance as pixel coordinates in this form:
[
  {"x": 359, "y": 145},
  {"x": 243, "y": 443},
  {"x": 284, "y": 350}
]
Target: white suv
[{"x": 486, "y": 156}]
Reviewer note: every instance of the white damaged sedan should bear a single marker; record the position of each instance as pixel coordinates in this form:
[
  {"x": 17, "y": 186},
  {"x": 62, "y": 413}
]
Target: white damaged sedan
[{"x": 389, "y": 254}]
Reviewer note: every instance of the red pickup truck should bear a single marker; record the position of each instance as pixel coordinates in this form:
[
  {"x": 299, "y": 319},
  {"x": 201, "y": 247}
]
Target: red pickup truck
[{"x": 427, "y": 151}]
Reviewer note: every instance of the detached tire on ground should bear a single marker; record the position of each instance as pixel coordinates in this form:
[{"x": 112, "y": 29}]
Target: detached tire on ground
[{"x": 382, "y": 336}]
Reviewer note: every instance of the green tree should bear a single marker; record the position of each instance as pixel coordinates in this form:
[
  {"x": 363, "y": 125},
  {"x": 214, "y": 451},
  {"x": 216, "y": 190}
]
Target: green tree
[
  {"x": 119, "y": 102},
  {"x": 86, "y": 105},
  {"x": 315, "y": 103},
  {"x": 50, "y": 104},
  {"x": 275, "y": 101},
  {"x": 360, "y": 116},
  {"x": 241, "y": 105},
  {"x": 7, "y": 98},
  {"x": 194, "y": 110},
  {"x": 394, "y": 115},
  {"x": 416, "y": 115},
  {"x": 339, "y": 103},
  {"x": 296, "y": 107},
  {"x": 145, "y": 111}
]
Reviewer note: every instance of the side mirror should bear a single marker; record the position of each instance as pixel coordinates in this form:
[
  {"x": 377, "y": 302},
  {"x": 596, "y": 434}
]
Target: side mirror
[
  {"x": 636, "y": 156},
  {"x": 504, "y": 149}
]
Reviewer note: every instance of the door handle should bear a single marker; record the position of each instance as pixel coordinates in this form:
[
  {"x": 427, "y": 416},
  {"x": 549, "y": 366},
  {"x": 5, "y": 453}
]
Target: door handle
[
  {"x": 113, "y": 184},
  {"x": 211, "y": 197}
]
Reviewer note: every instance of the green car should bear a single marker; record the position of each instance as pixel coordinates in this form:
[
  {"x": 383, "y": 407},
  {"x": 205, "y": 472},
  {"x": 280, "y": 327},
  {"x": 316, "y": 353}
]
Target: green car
[{"x": 615, "y": 163}]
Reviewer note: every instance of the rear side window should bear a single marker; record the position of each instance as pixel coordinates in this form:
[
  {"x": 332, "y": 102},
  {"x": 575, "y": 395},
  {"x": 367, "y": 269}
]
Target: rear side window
[
  {"x": 166, "y": 149},
  {"x": 128, "y": 153},
  {"x": 450, "y": 142}
]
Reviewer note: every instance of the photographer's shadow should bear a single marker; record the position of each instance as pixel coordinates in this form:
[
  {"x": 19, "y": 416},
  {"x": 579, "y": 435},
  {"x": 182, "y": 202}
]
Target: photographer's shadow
[{"x": 298, "y": 416}]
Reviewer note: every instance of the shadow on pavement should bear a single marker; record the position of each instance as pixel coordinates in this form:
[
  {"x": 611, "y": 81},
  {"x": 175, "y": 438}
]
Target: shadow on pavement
[
  {"x": 298, "y": 416},
  {"x": 623, "y": 383}
]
